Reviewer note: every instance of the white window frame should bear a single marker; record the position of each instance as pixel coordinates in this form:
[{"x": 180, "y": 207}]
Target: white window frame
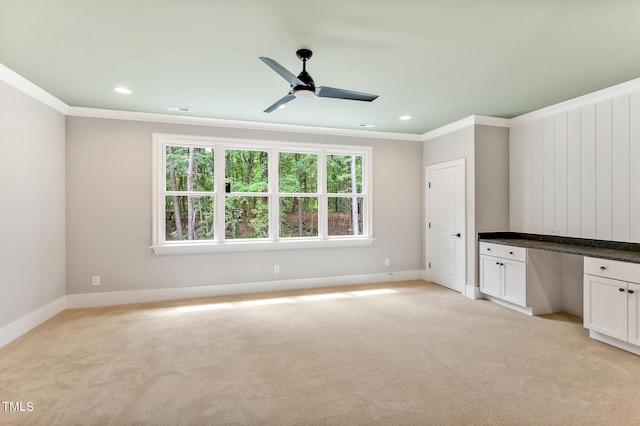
[{"x": 273, "y": 241}]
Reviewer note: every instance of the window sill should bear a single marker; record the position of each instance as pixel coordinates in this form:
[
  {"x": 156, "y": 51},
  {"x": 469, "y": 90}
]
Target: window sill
[{"x": 230, "y": 246}]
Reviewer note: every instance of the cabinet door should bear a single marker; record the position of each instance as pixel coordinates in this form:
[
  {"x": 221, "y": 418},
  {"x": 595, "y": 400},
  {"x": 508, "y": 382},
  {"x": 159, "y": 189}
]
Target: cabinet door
[
  {"x": 605, "y": 306},
  {"x": 633, "y": 301},
  {"x": 515, "y": 282},
  {"x": 490, "y": 275}
]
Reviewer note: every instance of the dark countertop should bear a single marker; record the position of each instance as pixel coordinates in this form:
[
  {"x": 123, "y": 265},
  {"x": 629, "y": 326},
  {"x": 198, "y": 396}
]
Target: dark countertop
[{"x": 624, "y": 252}]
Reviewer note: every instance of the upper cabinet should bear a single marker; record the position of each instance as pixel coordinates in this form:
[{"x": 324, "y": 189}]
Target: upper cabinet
[{"x": 573, "y": 173}]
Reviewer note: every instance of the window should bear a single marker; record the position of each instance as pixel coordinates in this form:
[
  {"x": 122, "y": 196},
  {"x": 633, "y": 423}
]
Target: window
[{"x": 218, "y": 194}]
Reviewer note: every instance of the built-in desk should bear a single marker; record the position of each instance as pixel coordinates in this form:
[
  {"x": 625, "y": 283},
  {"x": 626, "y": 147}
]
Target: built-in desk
[
  {"x": 594, "y": 279},
  {"x": 612, "y": 250}
]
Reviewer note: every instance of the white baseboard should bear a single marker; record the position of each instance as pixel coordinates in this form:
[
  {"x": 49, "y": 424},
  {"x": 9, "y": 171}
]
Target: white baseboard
[
  {"x": 472, "y": 292},
  {"x": 17, "y": 328},
  {"x": 614, "y": 342},
  {"x": 88, "y": 300},
  {"x": 509, "y": 305}
]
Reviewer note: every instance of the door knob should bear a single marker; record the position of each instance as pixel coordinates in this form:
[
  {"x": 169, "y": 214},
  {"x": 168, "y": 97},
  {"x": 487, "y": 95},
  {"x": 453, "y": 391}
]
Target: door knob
[{"x": 456, "y": 235}]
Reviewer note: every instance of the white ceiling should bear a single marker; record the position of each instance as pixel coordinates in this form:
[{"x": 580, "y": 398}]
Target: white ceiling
[{"x": 436, "y": 60}]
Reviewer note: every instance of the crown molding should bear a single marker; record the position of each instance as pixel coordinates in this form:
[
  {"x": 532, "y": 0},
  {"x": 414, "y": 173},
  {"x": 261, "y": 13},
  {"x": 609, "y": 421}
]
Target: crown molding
[
  {"x": 14, "y": 79},
  {"x": 235, "y": 124},
  {"x": 485, "y": 120},
  {"x": 471, "y": 120},
  {"x": 588, "y": 99}
]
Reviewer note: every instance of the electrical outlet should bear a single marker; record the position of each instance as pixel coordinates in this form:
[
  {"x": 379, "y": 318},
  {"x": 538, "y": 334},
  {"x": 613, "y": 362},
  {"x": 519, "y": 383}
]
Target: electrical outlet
[
  {"x": 276, "y": 269},
  {"x": 95, "y": 280},
  {"x": 386, "y": 262}
]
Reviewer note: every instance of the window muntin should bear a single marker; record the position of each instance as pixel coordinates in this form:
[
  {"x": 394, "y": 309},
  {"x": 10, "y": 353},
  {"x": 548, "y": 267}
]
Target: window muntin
[{"x": 252, "y": 192}]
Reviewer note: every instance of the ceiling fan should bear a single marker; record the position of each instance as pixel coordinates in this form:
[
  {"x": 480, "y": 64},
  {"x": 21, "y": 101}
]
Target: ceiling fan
[{"x": 303, "y": 85}]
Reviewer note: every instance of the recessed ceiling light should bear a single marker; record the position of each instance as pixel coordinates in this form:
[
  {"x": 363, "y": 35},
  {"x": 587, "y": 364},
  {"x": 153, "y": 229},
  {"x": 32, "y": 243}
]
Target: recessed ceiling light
[
  {"x": 178, "y": 109},
  {"x": 367, "y": 125},
  {"x": 123, "y": 90},
  {"x": 405, "y": 117}
]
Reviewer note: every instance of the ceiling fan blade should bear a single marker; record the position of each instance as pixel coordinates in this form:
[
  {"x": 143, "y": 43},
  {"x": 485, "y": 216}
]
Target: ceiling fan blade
[
  {"x": 284, "y": 73},
  {"x": 331, "y": 92},
  {"x": 282, "y": 101}
]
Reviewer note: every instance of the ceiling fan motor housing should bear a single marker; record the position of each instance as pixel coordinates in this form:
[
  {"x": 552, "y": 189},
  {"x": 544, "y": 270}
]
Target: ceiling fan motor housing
[
  {"x": 304, "y": 91},
  {"x": 306, "y": 79}
]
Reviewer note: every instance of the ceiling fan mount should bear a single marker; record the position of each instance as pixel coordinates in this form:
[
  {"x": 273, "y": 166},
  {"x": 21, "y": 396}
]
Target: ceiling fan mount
[
  {"x": 304, "y": 86},
  {"x": 304, "y": 54}
]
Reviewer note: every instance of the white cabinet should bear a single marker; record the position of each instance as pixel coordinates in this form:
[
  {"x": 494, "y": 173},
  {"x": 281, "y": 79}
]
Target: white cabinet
[
  {"x": 527, "y": 280},
  {"x": 490, "y": 276},
  {"x": 633, "y": 312},
  {"x": 515, "y": 281},
  {"x": 605, "y": 306},
  {"x": 612, "y": 302},
  {"x": 503, "y": 272}
]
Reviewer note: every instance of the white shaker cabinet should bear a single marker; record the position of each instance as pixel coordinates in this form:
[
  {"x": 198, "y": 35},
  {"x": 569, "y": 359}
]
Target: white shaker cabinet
[
  {"x": 526, "y": 280},
  {"x": 503, "y": 278},
  {"x": 503, "y": 272},
  {"x": 612, "y": 302}
]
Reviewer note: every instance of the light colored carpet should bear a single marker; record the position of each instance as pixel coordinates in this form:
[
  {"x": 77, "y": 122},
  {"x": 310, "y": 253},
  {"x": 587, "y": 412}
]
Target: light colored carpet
[{"x": 423, "y": 355}]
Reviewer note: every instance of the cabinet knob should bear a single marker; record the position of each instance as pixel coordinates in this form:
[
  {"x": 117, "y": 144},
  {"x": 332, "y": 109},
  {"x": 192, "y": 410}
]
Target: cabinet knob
[
  {"x": 630, "y": 291},
  {"x": 488, "y": 249},
  {"x": 602, "y": 268},
  {"x": 621, "y": 289},
  {"x": 497, "y": 263},
  {"x": 510, "y": 252}
]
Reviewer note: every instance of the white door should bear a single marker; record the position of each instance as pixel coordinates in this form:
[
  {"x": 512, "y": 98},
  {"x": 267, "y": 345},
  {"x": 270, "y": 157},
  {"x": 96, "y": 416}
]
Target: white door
[
  {"x": 605, "y": 306},
  {"x": 445, "y": 228}
]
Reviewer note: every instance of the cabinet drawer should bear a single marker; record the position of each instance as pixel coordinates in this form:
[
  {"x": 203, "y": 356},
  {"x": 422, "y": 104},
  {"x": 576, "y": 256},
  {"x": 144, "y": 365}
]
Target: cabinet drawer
[
  {"x": 504, "y": 251},
  {"x": 623, "y": 271}
]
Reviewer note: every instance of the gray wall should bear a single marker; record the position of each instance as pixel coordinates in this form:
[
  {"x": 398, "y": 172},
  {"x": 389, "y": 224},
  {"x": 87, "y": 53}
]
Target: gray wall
[
  {"x": 32, "y": 203},
  {"x": 449, "y": 147},
  {"x": 109, "y": 214},
  {"x": 486, "y": 150},
  {"x": 492, "y": 178}
]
